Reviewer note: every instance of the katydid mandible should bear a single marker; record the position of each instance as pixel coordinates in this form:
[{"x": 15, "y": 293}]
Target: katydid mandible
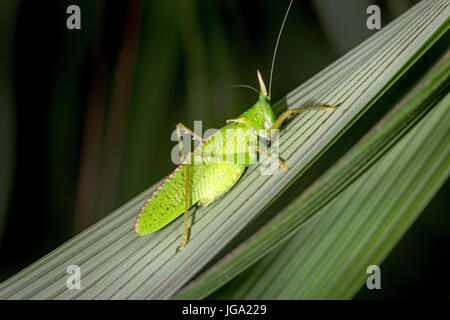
[{"x": 205, "y": 174}]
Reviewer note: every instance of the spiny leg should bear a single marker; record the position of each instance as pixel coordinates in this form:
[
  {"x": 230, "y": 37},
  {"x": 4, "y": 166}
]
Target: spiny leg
[
  {"x": 242, "y": 120},
  {"x": 291, "y": 112},
  {"x": 189, "y": 131},
  {"x": 237, "y": 120},
  {"x": 282, "y": 165},
  {"x": 186, "y": 209},
  {"x": 187, "y": 174},
  {"x": 284, "y": 116}
]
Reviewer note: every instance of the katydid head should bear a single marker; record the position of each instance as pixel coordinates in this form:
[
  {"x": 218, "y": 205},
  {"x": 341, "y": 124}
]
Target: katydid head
[
  {"x": 260, "y": 116},
  {"x": 264, "y": 103}
]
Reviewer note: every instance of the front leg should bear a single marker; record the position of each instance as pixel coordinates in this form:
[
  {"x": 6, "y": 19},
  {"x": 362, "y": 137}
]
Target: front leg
[
  {"x": 288, "y": 114},
  {"x": 281, "y": 164}
]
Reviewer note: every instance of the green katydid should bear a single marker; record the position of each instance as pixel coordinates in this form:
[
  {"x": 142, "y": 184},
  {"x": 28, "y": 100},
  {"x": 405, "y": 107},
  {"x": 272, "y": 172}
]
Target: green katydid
[{"x": 214, "y": 167}]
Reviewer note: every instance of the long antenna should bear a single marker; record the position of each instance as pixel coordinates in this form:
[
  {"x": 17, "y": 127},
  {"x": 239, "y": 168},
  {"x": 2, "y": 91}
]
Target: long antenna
[
  {"x": 276, "y": 48},
  {"x": 243, "y": 86}
]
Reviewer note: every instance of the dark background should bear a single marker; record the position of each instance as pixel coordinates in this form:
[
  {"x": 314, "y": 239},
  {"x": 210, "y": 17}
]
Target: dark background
[{"x": 87, "y": 115}]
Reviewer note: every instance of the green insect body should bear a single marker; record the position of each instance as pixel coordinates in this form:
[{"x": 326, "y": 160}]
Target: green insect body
[
  {"x": 215, "y": 168},
  {"x": 216, "y": 165}
]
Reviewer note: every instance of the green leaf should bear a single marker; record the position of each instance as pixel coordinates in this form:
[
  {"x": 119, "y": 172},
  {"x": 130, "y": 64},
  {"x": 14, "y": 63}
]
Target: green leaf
[
  {"x": 116, "y": 264},
  {"x": 328, "y": 187},
  {"x": 328, "y": 257}
]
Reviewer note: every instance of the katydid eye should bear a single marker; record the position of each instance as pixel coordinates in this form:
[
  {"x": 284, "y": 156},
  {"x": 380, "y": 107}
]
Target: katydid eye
[{"x": 268, "y": 101}]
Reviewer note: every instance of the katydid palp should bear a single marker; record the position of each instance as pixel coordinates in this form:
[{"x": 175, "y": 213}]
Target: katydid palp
[{"x": 217, "y": 164}]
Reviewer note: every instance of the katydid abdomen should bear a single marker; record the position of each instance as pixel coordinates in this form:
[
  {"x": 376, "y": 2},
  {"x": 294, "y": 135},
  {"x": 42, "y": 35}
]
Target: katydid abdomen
[{"x": 207, "y": 182}]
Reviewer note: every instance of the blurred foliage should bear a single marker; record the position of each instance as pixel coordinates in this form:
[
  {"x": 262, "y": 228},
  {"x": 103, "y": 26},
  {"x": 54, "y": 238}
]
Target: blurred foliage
[
  {"x": 94, "y": 108},
  {"x": 7, "y": 116}
]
